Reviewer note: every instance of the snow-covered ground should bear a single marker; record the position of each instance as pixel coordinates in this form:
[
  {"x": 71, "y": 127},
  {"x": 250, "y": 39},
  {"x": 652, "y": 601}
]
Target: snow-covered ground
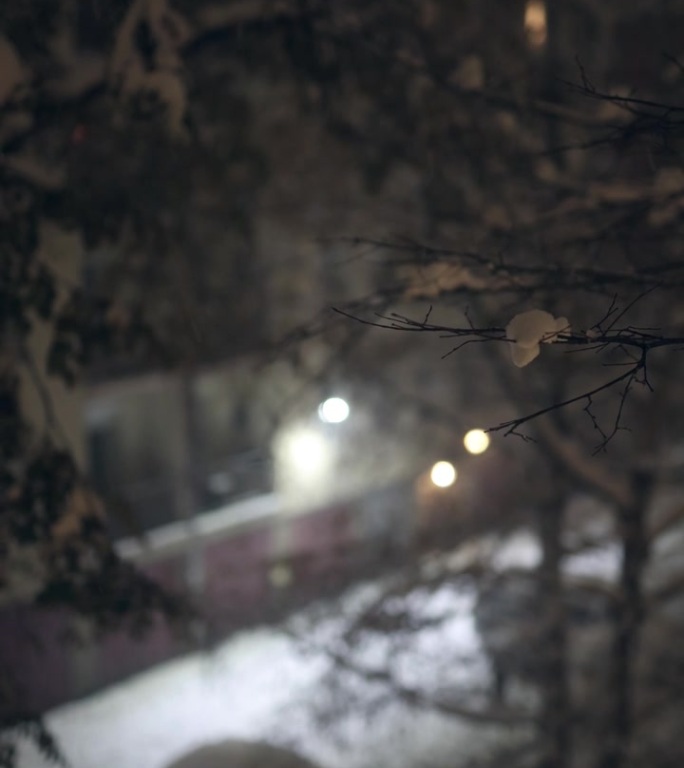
[
  {"x": 255, "y": 686},
  {"x": 260, "y": 685}
]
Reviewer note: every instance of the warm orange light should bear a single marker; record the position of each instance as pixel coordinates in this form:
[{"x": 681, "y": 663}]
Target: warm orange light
[
  {"x": 535, "y": 22},
  {"x": 476, "y": 441}
]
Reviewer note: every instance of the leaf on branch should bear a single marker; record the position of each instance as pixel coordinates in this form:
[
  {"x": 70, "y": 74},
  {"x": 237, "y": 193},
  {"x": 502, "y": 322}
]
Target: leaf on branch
[{"x": 528, "y": 330}]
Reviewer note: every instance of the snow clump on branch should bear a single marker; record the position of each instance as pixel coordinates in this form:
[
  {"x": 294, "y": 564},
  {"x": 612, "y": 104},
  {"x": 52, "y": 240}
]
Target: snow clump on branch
[{"x": 528, "y": 330}]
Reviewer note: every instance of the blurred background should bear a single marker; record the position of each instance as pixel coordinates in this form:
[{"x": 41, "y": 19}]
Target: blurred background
[{"x": 269, "y": 468}]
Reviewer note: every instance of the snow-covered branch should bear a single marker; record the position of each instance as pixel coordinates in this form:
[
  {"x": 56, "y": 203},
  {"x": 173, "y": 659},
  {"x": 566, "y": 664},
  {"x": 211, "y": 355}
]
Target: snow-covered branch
[{"x": 527, "y": 331}]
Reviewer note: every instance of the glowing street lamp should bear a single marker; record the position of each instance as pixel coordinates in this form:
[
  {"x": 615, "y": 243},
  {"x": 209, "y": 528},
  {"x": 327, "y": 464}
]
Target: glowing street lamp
[
  {"x": 476, "y": 441},
  {"x": 303, "y": 464},
  {"x": 306, "y": 451},
  {"x": 443, "y": 474},
  {"x": 334, "y": 410}
]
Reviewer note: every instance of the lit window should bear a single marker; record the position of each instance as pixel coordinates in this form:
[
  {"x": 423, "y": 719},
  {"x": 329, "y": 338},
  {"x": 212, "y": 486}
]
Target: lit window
[{"x": 535, "y": 22}]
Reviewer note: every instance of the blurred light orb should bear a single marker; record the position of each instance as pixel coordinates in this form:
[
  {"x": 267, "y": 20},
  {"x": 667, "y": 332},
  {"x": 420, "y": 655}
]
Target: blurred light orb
[
  {"x": 280, "y": 576},
  {"x": 307, "y": 451},
  {"x": 476, "y": 441},
  {"x": 536, "y": 23},
  {"x": 443, "y": 474},
  {"x": 334, "y": 410}
]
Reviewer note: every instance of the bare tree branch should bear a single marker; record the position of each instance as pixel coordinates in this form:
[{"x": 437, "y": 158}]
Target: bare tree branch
[{"x": 417, "y": 698}]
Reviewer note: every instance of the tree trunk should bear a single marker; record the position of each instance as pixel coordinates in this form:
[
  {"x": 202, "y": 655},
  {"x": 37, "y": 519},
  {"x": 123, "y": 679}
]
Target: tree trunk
[
  {"x": 628, "y": 619},
  {"x": 555, "y": 717},
  {"x": 188, "y": 490}
]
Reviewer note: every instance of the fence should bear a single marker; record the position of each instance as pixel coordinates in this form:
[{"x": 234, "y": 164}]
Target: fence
[{"x": 244, "y": 564}]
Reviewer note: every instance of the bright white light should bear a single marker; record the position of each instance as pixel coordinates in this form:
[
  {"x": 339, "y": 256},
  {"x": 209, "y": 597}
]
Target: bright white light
[
  {"x": 307, "y": 451},
  {"x": 333, "y": 411},
  {"x": 304, "y": 463},
  {"x": 476, "y": 441},
  {"x": 443, "y": 474}
]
